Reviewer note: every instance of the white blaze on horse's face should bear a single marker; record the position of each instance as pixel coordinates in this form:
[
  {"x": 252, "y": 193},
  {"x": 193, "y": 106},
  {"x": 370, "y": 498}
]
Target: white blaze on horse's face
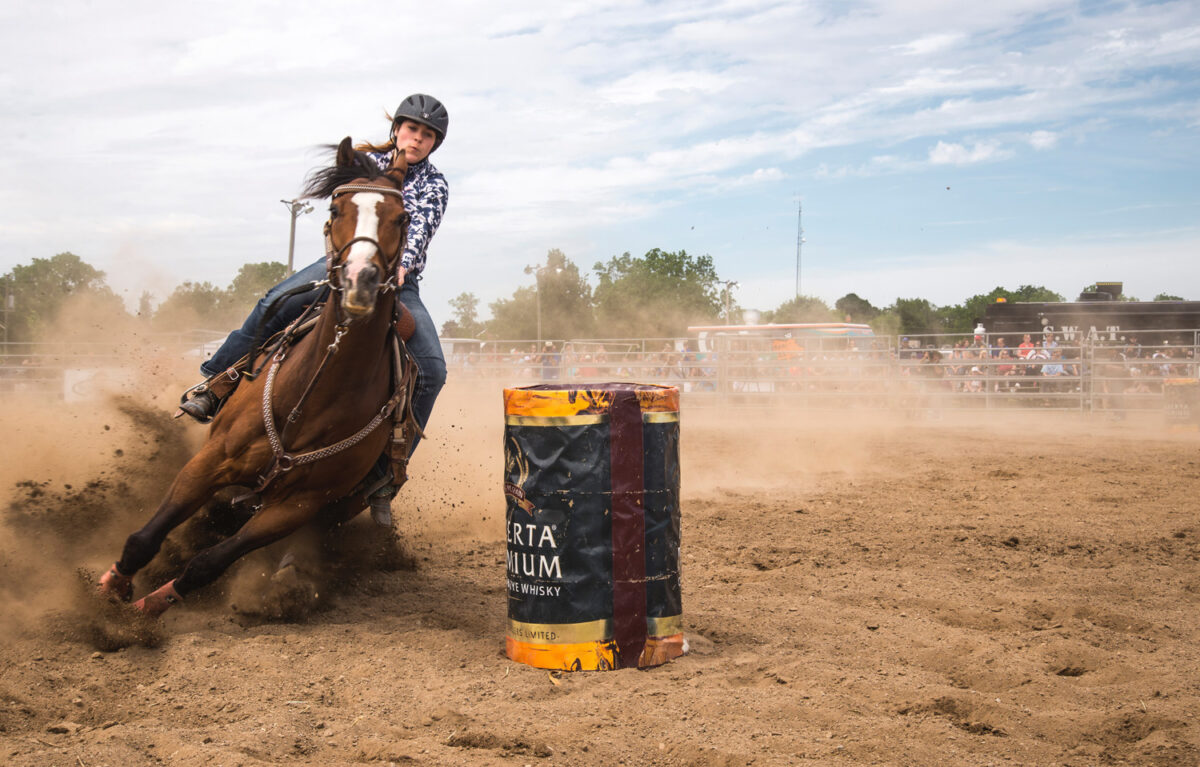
[{"x": 362, "y": 253}]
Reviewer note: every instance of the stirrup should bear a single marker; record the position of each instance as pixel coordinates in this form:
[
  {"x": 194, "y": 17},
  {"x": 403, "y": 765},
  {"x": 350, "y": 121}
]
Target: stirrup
[{"x": 202, "y": 406}]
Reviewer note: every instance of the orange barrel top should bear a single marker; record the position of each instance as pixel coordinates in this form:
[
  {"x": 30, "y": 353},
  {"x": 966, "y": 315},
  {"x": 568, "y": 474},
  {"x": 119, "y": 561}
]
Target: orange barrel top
[{"x": 592, "y": 490}]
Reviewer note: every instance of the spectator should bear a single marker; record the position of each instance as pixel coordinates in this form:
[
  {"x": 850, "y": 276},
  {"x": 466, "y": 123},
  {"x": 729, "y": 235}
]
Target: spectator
[
  {"x": 1134, "y": 349},
  {"x": 1162, "y": 357},
  {"x": 1053, "y": 368},
  {"x": 550, "y": 360},
  {"x": 1026, "y": 350},
  {"x": 601, "y": 361},
  {"x": 1006, "y": 370}
]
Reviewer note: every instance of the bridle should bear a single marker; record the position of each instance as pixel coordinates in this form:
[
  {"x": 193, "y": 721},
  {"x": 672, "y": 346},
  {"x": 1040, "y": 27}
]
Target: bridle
[
  {"x": 403, "y": 363},
  {"x": 334, "y": 254}
]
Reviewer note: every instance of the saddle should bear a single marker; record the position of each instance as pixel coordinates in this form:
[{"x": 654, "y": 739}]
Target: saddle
[{"x": 403, "y": 370}]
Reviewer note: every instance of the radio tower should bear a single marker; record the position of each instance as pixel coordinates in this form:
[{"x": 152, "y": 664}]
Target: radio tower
[{"x": 799, "y": 240}]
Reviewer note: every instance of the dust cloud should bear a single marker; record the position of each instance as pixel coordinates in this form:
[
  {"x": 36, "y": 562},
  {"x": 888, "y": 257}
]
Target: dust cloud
[{"x": 78, "y": 475}]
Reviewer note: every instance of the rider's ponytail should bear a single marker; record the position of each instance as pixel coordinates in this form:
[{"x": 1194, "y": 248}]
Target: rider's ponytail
[{"x": 386, "y": 147}]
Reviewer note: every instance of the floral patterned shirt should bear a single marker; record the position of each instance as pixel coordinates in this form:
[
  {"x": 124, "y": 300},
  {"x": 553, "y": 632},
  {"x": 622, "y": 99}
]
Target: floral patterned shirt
[{"x": 425, "y": 197}]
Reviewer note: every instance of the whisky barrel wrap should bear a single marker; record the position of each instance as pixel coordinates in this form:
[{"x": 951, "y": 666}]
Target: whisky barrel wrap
[{"x": 592, "y": 522}]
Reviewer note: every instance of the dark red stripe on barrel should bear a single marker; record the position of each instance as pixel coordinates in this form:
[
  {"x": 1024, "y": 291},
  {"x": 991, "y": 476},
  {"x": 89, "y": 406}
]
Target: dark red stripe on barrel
[{"x": 628, "y": 528}]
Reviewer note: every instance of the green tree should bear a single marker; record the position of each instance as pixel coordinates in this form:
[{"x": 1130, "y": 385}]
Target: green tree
[
  {"x": 252, "y": 282},
  {"x": 514, "y": 318},
  {"x": 1168, "y": 297},
  {"x": 566, "y": 299},
  {"x": 563, "y": 295},
  {"x": 41, "y": 289},
  {"x": 851, "y": 308},
  {"x": 656, "y": 295},
  {"x": 195, "y": 305},
  {"x": 886, "y": 323},
  {"x": 962, "y": 318},
  {"x": 1035, "y": 294},
  {"x": 917, "y": 317},
  {"x": 465, "y": 323},
  {"x": 801, "y": 309}
]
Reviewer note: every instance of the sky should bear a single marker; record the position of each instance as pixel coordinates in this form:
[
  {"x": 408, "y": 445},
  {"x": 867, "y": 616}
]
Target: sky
[{"x": 936, "y": 149}]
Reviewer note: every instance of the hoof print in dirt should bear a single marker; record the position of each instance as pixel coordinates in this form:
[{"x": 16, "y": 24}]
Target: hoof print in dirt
[{"x": 962, "y": 714}]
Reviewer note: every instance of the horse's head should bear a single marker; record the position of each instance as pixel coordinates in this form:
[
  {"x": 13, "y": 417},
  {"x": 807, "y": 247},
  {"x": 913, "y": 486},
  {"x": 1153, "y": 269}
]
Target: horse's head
[{"x": 366, "y": 228}]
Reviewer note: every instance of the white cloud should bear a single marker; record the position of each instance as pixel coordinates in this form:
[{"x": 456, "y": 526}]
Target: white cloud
[
  {"x": 1042, "y": 139},
  {"x": 650, "y": 86},
  {"x": 876, "y": 166},
  {"x": 568, "y": 120},
  {"x": 930, "y": 44},
  {"x": 949, "y": 276},
  {"x": 759, "y": 176},
  {"x": 959, "y": 154}
]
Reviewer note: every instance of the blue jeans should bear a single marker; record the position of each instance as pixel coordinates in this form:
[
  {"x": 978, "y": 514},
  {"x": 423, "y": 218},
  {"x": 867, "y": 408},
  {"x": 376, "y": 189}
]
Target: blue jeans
[
  {"x": 424, "y": 345},
  {"x": 238, "y": 343}
]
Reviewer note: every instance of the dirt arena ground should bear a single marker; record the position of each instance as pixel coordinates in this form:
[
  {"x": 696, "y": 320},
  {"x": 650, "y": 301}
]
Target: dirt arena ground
[{"x": 857, "y": 591}]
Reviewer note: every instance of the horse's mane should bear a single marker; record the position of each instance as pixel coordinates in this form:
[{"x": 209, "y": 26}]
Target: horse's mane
[{"x": 322, "y": 182}]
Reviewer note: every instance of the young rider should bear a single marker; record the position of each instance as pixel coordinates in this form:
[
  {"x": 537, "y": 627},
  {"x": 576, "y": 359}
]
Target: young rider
[{"x": 418, "y": 128}]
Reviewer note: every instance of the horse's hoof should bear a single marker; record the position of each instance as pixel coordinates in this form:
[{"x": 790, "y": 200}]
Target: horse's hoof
[
  {"x": 156, "y": 602},
  {"x": 115, "y": 585}
]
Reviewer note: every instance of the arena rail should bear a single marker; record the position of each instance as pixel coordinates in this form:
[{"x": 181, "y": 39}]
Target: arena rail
[{"x": 912, "y": 373}]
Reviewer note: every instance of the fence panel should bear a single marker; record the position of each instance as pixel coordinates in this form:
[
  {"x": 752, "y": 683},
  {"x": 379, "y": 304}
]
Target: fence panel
[{"x": 914, "y": 373}]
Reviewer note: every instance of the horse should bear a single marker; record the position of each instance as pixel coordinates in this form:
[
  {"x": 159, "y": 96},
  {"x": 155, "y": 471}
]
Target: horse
[{"x": 333, "y": 386}]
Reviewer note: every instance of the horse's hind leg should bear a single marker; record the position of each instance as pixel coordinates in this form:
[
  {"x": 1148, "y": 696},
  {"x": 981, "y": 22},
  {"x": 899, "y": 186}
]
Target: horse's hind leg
[{"x": 271, "y": 523}]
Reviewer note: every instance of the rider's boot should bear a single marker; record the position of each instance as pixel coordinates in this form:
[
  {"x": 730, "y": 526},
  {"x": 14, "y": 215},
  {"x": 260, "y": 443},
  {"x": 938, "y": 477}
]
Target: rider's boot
[
  {"x": 116, "y": 585},
  {"x": 156, "y": 602},
  {"x": 202, "y": 407},
  {"x": 380, "y": 502},
  {"x": 204, "y": 400}
]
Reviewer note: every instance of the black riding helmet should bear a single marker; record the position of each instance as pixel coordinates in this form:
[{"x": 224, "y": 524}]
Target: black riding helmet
[{"x": 425, "y": 110}]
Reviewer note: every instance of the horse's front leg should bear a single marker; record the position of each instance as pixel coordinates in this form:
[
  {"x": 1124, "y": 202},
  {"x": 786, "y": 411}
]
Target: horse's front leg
[
  {"x": 192, "y": 488},
  {"x": 273, "y": 521}
]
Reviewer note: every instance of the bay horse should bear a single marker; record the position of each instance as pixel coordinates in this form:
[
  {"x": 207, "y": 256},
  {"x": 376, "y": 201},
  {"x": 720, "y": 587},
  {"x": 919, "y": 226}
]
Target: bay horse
[{"x": 331, "y": 387}]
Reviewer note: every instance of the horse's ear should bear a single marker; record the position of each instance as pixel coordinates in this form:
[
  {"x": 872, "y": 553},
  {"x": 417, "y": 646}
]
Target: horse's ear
[
  {"x": 398, "y": 169},
  {"x": 345, "y": 153}
]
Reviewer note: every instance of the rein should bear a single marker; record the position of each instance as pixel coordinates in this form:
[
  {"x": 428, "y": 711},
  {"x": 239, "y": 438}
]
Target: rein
[{"x": 403, "y": 379}]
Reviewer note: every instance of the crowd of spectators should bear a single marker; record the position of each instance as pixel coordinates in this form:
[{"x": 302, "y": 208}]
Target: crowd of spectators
[
  {"x": 990, "y": 364},
  {"x": 1061, "y": 369}
]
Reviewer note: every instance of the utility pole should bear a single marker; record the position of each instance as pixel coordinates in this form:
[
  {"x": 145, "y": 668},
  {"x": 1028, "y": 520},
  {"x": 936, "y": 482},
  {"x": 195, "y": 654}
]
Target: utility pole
[
  {"x": 296, "y": 208},
  {"x": 536, "y": 271},
  {"x": 729, "y": 286},
  {"x": 799, "y": 240}
]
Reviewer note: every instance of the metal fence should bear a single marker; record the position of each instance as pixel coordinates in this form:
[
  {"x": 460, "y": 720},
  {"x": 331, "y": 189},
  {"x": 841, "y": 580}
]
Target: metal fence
[{"x": 914, "y": 373}]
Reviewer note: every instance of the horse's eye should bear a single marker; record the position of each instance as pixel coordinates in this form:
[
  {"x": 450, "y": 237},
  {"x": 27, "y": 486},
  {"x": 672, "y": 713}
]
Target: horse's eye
[{"x": 333, "y": 211}]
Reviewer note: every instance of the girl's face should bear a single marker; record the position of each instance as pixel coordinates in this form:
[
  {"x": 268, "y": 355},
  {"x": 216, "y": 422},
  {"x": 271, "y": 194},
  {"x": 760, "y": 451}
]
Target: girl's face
[{"x": 414, "y": 140}]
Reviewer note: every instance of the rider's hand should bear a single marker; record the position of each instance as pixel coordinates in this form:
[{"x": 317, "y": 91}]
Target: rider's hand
[{"x": 400, "y": 272}]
